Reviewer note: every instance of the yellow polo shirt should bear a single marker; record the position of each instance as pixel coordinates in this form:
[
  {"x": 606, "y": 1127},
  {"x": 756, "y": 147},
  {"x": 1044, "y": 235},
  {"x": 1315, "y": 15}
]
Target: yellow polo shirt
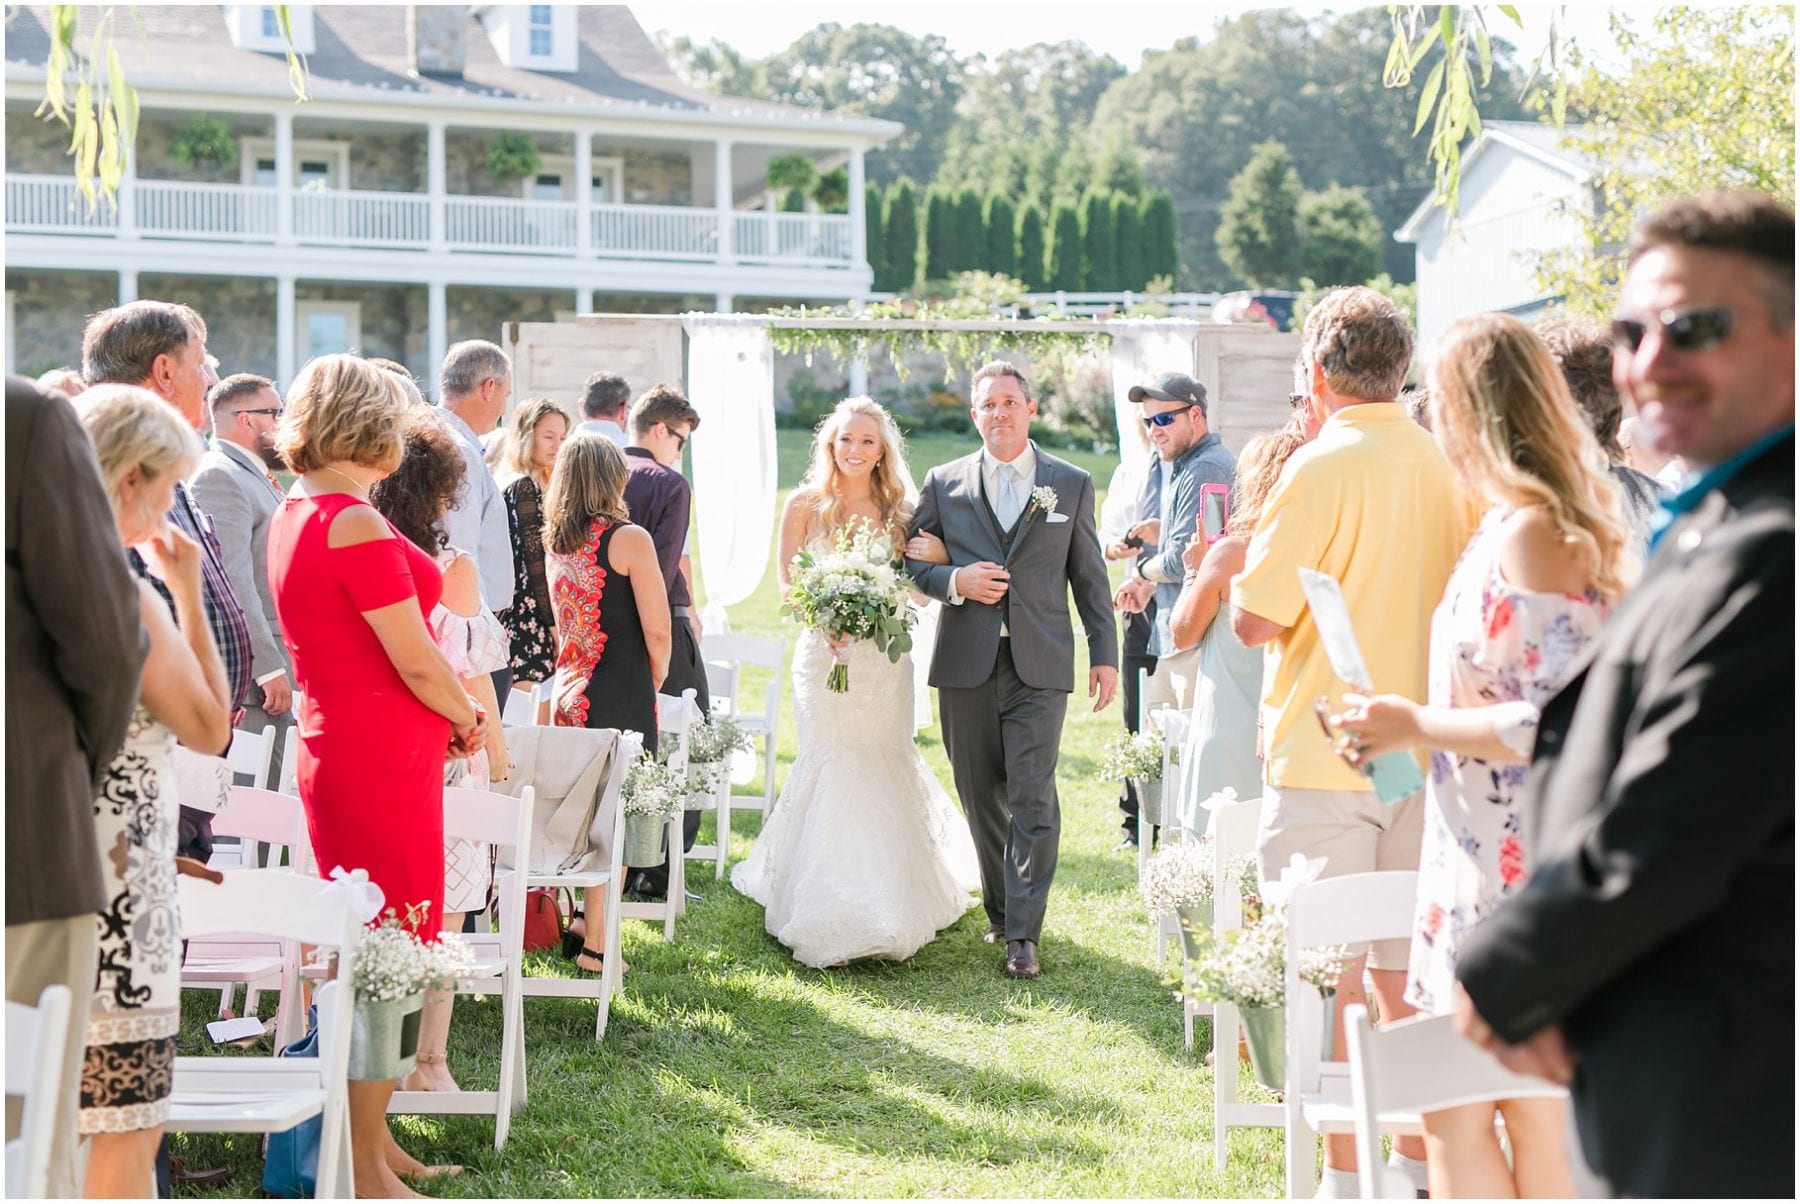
[{"x": 1374, "y": 503}]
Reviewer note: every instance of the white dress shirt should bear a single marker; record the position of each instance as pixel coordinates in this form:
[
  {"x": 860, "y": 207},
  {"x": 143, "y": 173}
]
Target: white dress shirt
[
  {"x": 1025, "y": 464},
  {"x": 603, "y": 426},
  {"x": 477, "y": 523}
]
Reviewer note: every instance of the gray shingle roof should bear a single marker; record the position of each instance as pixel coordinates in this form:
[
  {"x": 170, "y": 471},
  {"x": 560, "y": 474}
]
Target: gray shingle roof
[{"x": 360, "y": 49}]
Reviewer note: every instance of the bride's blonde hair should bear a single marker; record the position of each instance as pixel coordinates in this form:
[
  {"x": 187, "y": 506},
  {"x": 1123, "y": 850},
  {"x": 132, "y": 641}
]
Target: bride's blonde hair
[{"x": 888, "y": 481}]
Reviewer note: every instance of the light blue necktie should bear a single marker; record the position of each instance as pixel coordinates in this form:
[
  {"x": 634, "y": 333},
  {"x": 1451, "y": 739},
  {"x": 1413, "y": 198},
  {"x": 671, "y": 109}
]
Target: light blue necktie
[{"x": 1007, "y": 506}]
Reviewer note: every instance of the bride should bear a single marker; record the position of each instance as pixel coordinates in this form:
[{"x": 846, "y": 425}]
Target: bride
[{"x": 864, "y": 855}]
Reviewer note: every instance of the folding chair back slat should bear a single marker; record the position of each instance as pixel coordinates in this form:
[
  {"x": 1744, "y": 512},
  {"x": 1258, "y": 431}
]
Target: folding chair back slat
[
  {"x": 1233, "y": 829},
  {"x": 35, "y": 1039},
  {"x": 252, "y": 754}
]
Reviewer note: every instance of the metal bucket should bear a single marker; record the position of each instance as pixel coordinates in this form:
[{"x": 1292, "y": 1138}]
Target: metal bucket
[
  {"x": 644, "y": 839},
  {"x": 384, "y": 1037}
]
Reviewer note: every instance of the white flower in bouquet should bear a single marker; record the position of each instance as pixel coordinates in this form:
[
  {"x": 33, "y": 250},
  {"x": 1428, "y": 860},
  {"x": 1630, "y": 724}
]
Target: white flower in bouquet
[
  {"x": 652, "y": 788},
  {"x": 856, "y": 592},
  {"x": 1132, "y": 756},
  {"x": 1246, "y": 968},
  {"x": 1177, "y": 876},
  {"x": 446, "y": 961},
  {"x": 391, "y": 963},
  {"x": 716, "y": 738},
  {"x": 1242, "y": 870},
  {"x": 1043, "y": 501}
]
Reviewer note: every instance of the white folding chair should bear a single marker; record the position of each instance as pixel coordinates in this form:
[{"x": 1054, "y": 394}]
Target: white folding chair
[
  {"x": 673, "y": 718},
  {"x": 252, "y": 755},
  {"x": 736, "y": 651},
  {"x": 1416, "y": 1065},
  {"x": 608, "y": 813},
  {"x": 257, "y": 819},
  {"x": 505, "y": 822},
  {"x": 721, "y": 684},
  {"x": 527, "y": 708},
  {"x": 1174, "y": 735},
  {"x": 290, "y": 757},
  {"x": 35, "y": 1039},
  {"x": 266, "y": 1094},
  {"x": 1347, "y": 910},
  {"x": 1234, "y": 834}
]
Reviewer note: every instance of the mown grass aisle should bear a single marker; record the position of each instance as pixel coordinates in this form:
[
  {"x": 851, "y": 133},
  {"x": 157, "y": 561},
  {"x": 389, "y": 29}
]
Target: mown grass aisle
[{"x": 729, "y": 1070}]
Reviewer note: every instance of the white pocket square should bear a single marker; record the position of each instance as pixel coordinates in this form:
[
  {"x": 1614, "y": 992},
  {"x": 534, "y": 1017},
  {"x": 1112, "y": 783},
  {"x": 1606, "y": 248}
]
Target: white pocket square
[{"x": 1054, "y": 517}]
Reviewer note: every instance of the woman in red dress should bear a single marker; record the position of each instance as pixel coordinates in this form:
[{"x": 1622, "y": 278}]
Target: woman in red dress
[{"x": 380, "y": 706}]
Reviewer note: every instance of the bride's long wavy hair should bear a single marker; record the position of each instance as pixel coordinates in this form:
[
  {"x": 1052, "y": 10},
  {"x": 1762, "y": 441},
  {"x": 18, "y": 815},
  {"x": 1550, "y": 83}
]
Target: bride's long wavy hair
[{"x": 890, "y": 480}]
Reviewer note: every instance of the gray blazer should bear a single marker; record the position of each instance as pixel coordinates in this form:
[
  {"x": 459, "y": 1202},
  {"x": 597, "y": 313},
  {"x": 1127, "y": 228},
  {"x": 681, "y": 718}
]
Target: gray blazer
[
  {"x": 1046, "y": 559},
  {"x": 233, "y": 489},
  {"x": 74, "y": 651}
]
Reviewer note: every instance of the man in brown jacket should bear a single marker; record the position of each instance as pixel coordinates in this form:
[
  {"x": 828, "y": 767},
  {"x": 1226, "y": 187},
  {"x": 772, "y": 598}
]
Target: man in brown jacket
[{"x": 74, "y": 651}]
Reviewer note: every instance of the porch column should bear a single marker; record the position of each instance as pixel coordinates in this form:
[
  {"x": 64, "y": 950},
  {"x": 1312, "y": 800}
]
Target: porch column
[
  {"x": 437, "y": 330},
  {"x": 859, "y": 226},
  {"x": 584, "y": 301},
  {"x": 284, "y": 192},
  {"x": 723, "y": 302},
  {"x": 434, "y": 181},
  {"x": 128, "y": 285},
  {"x": 286, "y": 344},
  {"x": 724, "y": 203},
  {"x": 584, "y": 193}
]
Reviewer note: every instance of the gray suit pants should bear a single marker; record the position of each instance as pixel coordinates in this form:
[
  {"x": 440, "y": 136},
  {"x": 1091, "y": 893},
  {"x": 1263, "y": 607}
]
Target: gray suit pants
[{"x": 1002, "y": 737}]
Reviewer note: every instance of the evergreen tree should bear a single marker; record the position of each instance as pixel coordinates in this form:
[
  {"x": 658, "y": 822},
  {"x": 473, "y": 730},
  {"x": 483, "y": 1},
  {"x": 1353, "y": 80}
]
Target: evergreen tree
[
  {"x": 877, "y": 250},
  {"x": 1340, "y": 237},
  {"x": 1002, "y": 238},
  {"x": 1099, "y": 252},
  {"x": 971, "y": 233},
  {"x": 940, "y": 234},
  {"x": 1161, "y": 255},
  {"x": 900, "y": 233},
  {"x": 1063, "y": 253},
  {"x": 1128, "y": 237},
  {"x": 1259, "y": 228},
  {"x": 1031, "y": 249}
]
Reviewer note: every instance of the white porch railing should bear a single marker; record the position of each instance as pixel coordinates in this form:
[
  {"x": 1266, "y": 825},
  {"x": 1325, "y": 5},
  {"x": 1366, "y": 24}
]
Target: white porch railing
[
  {"x": 369, "y": 219},
  {"x": 502, "y": 224},
  {"x": 54, "y": 205},
  {"x": 661, "y": 231},
  {"x": 809, "y": 237},
  {"x": 166, "y": 208}
]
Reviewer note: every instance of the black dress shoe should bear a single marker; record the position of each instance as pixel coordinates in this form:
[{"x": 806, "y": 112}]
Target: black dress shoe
[
  {"x": 995, "y": 934},
  {"x": 1022, "y": 959}
]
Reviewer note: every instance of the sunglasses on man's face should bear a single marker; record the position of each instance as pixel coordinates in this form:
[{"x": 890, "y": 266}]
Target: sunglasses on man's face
[
  {"x": 1151, "y": 420},
  {"x": 1685, "y": 329}
]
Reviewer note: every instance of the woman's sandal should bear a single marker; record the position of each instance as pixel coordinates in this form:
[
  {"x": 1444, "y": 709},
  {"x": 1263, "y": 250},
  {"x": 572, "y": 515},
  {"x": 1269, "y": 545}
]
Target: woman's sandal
[
  {"x": 598, "y": 956},
  {"x": 573, "y": 942}
]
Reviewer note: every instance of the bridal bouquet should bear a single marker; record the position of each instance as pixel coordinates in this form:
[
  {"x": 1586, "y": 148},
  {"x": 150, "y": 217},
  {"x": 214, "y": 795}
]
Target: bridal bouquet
[{"x": 855, "y": 591}]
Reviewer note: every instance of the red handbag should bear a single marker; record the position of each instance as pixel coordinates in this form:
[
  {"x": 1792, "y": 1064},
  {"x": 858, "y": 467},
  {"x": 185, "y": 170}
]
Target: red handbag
[{"x": 544, "y": 921}]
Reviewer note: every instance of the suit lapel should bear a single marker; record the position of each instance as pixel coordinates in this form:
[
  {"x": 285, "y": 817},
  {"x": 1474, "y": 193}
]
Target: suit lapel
[
  {"x": 1027, "y": 520},
  {"x": 972, "y": 485}
]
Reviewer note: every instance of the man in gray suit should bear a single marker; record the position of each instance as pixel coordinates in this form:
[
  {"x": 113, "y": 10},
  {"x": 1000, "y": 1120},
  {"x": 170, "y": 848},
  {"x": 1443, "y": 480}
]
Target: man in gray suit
[
  {"x": 1019, "y": 528},
  {"x": 236, "y": 488}
]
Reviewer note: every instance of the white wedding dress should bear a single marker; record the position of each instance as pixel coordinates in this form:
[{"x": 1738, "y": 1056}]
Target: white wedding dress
[{"x": 864, "y": 855}]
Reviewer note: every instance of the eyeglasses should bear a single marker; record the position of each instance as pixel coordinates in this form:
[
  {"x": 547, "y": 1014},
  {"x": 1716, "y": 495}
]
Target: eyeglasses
[
  {"x": 681, "y": 440},
  {"x": 1296, "y": 400},
  {"x": 274, "y": 413},
  {"x": 1685, "y": 329},
  {"x": 1163, "y": 419}
]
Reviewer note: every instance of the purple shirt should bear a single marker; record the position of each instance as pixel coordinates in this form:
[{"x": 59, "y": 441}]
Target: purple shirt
[{"x": 658, "y": 499}]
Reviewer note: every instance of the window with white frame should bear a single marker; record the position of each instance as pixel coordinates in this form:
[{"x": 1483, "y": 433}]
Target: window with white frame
[
  {"x": 542, "y": 31},
  {"x": 328, "y": 327},
  {"x": 555, "y": 179},
  {"x": 320, "y": 164},
  {"x": 258, "y": 27},
  {"x": 538, "y": 37}
]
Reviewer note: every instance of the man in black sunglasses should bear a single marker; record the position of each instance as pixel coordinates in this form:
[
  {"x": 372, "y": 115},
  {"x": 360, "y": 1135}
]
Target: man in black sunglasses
[{"x": 1648, "y": 960}]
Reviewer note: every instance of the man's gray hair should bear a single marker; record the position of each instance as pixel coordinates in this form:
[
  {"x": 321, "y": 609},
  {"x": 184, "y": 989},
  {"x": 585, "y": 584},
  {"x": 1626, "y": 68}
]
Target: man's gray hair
[
  {"x": 120, "y": 345},
  {"x": 469, "y": 363},
  {"x": 994, "y": 368}
]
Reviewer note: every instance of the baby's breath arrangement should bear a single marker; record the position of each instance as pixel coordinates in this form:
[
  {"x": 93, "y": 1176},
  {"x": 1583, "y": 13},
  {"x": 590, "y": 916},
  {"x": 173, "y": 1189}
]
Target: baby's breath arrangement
[
  {"x": 1246, "y": 968},
  {"x": 392, "y": 963},
  {"x": 1132, "y": 756},
  {"x": 652, "y": 788},
  {"x": 716, "y": 739},
  {"x": 1177, "y": 876}
]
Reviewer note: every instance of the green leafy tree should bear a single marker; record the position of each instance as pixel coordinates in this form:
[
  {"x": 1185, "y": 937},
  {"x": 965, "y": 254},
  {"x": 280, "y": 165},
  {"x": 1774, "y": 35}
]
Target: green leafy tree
[
  {"x": 900, "y": 235},
  {"x": 1001, "y": 225},
  {"x": 1259, "y": 228},
  {"x": 941, "y": 258},
  {"x": 1128, "y": 236},
  {"x": 971, "y": 232},
  {"x": 1032, "y": 269},
  {"x": 714, "y": 67},
  {"x": 1063, "y": 252},
  {"x": 1162, "y": 253},
  {"x": 873, "y": 238},
  {"x": 1704, "y": 100},
  {"x": 1099, "y": 250},
  {"x": 1340, "y": 239}
]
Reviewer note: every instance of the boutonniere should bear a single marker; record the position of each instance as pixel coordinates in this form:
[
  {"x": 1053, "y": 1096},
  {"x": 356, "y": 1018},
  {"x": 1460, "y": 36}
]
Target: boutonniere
[{"x": 1043, "y": 501}]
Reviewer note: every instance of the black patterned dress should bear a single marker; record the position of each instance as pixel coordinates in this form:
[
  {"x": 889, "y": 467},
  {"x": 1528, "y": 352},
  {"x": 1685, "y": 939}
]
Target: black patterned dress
[
  {"x": 529, "y": 621},
  {"x": 136, "y": 1009}
]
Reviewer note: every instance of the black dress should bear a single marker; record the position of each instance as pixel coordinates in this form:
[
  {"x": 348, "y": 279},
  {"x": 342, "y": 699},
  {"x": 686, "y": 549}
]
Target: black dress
[
  {"x": 603, "y": 676},
  {"x": 527, "y": 621}
]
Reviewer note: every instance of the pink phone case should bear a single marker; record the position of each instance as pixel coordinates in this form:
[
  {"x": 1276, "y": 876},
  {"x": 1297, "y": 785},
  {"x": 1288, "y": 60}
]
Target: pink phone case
[{"x": 1224, "y": 495}]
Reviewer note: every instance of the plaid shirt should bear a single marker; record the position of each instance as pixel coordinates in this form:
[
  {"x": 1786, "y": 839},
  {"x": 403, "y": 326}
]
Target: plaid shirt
[{"x": 230, "y": 632}]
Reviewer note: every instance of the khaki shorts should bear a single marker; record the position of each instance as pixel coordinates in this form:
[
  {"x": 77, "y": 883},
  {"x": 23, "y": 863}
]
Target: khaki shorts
[{"x": 1353, "y": 831}]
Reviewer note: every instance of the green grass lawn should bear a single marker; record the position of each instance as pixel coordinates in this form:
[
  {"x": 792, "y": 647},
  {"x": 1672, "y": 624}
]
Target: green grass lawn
[{"x": 729, "y": 1070}]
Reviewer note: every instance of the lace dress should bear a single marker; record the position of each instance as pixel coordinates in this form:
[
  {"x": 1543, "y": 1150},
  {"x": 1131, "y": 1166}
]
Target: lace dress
[
  {"x": 135, "y": 1011},
  {"x": 475, "y": 645},
  {"x": 529, "y": 621},
  {"x": 864, "y": 854},
  {"x": 1490, "y": 643}
]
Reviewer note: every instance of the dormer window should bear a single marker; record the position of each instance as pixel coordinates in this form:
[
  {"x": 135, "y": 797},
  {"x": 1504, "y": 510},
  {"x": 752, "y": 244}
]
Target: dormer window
[
  {"x": 542, "y": 31},
  {"x": 271, "y": 23},
  {"x": 258, "y": 27},
  {"x": 535, "y": 37}
]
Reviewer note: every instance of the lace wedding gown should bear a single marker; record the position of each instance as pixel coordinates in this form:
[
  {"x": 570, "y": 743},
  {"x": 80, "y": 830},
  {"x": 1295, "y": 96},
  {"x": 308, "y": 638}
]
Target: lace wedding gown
[{"x": 864, "y": 855}]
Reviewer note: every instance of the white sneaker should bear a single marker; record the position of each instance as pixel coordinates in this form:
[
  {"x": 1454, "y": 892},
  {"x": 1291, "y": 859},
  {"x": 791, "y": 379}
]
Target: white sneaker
[
  {"x": 1337, "y": 1185},
  {"x": 1404, "y": 1173}
]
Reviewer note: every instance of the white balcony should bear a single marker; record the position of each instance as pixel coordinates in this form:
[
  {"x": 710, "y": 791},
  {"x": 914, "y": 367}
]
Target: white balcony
[{"x": 403, "y": 222}]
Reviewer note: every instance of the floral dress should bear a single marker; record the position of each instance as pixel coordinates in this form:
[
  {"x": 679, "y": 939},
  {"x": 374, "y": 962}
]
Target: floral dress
[
  {"x": 475, "y": 645},
  {"x": 1490, "y": 643},
  {"x": 528, "y": 621}
]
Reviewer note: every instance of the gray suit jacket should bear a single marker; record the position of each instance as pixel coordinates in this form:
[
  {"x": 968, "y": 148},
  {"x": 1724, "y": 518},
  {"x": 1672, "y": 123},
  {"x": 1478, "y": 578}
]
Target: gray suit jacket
[
  {"x": 74, "y": 651},
  {"x": 1046, "y": 559},
  {"x": 233, "y": 489}
]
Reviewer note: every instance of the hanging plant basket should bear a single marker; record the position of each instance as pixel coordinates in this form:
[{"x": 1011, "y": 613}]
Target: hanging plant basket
[
  {"x": 206, "y": 141},
  {"x": 384, "y": 1037},
  {"x": 644, "y": 839},
  {"x": 513, "y": 157}
]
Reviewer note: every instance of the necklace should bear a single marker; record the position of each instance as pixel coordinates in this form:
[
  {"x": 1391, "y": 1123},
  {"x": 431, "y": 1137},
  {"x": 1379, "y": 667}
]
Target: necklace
[{"x": 355, "y": 488}]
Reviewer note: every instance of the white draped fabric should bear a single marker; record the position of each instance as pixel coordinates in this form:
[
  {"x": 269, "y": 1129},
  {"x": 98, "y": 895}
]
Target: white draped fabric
[
  {"x": 731, "y": 382},
  {"x": 1143, "y": 348}
]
